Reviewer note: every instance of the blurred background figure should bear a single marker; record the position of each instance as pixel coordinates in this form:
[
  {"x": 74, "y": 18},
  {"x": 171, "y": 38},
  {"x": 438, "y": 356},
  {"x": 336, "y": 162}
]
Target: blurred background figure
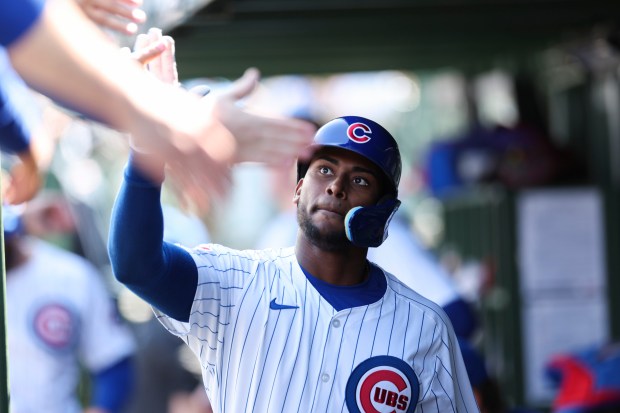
[
  {"x": 487, "y": 390},
  {"x": 69, "y": 350},
  {"x": 523, "y": 155},
  {"x": 588, "y": 380}
]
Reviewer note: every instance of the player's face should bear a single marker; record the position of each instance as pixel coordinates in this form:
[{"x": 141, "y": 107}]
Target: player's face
[{"x": 336, "y": 181}]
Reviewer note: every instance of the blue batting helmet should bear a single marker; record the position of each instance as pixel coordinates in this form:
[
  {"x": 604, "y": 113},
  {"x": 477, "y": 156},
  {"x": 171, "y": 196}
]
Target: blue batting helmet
[{"x": 365, "y": 226}]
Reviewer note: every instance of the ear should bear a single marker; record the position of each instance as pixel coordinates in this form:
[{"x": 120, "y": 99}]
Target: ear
[{"x": 297, "y": 191}]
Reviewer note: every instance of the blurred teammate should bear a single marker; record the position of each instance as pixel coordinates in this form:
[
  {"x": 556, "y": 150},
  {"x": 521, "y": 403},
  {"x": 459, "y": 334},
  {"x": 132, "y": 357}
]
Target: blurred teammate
[{"x": 61, "y": 320}]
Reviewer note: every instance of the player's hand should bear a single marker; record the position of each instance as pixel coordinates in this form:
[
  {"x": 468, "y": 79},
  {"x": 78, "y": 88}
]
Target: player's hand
[
  {"x": 23, "y": 181},
  {"x": 122, "y": 16},
  {"x": 223, "y": 134},
  {"x": 48, "y": 214},
  {"x": 26, "y": 176},
  {"x": 207, "y": 178},
  {"x": 148, "y": 53},
  {"x": 250, "y": 137},
  {"x": 162, "y": 65}
]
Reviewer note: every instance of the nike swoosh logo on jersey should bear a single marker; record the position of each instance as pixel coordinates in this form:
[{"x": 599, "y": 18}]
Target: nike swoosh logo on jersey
[{"x": 275, "y": 306}]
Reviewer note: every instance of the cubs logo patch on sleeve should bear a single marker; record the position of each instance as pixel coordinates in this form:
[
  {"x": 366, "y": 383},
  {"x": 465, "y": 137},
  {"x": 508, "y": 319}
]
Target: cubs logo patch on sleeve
[{"x": 382, "y": 384}]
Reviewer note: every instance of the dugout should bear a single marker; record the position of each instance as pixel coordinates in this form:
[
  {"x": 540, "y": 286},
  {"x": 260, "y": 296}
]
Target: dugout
[{"x": 565, "y": 46}]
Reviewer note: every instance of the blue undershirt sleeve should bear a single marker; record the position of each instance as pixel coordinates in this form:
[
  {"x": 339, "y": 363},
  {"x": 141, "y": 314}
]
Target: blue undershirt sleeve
[
  {"x": 15, "y": 117},
  {"x": 113, "y": 386},
  {"x": 17, "y": 17},
  {"x": 163, "y": 274}
]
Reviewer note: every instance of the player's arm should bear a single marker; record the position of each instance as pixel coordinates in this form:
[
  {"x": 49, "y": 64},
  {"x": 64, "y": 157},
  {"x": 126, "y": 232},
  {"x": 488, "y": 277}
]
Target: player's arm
[
  {"x": 174, "y": 125},
  {"x": 14, "y": 131},
  {"x": 22, "y": 134},
  {"x": 88, "y": 74},
  {"x": 162, "y": 274}
]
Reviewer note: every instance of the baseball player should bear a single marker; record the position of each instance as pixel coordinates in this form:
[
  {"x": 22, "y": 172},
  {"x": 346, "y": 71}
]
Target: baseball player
[
  {"x": 402, "y": 255},
  {"x": 311, "y": 328},
  {"x": 61, "y": 321}
]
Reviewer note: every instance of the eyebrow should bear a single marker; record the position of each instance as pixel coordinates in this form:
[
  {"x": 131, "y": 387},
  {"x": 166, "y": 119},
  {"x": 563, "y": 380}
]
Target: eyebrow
[{"x": 355, "y": 168}]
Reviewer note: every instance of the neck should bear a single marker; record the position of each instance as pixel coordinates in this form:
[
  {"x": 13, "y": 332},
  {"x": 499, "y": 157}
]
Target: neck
[{"x": 343, "y": 267}]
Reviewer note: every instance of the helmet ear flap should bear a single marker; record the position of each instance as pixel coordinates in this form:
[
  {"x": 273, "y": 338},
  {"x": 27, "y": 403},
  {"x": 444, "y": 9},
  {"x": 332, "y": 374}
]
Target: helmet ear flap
[
  {"x": 302, "y": 168},
  {"x": 368, "y": 226}
]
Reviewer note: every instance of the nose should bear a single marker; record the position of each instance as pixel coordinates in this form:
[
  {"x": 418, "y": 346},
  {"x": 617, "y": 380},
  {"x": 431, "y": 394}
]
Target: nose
[{"x": 337, "y": 188}]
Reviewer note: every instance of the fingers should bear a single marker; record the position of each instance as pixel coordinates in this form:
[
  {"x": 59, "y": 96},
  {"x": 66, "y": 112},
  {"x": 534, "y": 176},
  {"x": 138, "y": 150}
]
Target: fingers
[
  {"x": 148, "y": 53},
  {"x": 195, "y": 189},
  {"x": 156, "y": 67},
  {"x": 274, "y": 141},
  {"x": 22, "y": 185},
  {"x": 200, "y": 90},
  {"x": 121, "y": 9},
  {"x": 104, "y": 19},
  {"x": 243, "y": 86},
  {"x": 158, "y": 51},
  {"x": 120, "y": 15},
  {"x": 169, "y": 72},
  {"x": 142, "y": 43}
]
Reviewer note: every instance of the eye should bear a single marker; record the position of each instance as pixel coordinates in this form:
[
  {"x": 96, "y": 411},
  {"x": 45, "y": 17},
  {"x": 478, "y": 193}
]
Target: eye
[
  {"x": 358, "y": 180},
  {"x": 324, "y": 170}
]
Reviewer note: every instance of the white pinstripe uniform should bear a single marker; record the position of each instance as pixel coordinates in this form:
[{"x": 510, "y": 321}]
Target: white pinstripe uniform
[{"x": 398, "y": 354}]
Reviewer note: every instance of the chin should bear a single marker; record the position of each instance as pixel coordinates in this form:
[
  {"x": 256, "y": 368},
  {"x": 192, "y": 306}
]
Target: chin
[
  {"x": 325, "y": 234},
  {"x": 328, "y": 239}
]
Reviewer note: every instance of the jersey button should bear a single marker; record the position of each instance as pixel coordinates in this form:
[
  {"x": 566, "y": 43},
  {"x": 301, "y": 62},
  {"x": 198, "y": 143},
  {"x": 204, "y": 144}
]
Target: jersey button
[
  {"x": 336, "y": 323},
  {"x": 325, "y": 377}
]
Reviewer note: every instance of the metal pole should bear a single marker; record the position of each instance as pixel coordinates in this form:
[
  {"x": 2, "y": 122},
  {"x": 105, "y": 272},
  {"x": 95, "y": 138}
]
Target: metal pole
[{"x": 4, "y": 359}]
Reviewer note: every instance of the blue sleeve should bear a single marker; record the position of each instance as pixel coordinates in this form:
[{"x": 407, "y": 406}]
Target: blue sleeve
[
  {"x": 113, "y": 386},
  {"x": 14, "y": 113},
  {"x": 162, "y": 274},
  {"x": 16, "y": 17}
]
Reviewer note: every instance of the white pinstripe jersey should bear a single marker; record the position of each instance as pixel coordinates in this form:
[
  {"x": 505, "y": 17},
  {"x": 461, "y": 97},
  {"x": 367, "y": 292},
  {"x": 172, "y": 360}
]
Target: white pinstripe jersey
[
  {"x": 59, "y": 316},
  {"x": 398, "y": 354}
]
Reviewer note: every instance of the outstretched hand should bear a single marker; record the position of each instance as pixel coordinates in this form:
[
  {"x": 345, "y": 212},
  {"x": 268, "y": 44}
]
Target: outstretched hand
[
  {"x": 196, "y": 177},
  {"x": 228, "y": 133},
  {"x": 258, "y": 138},
  {"x": 24, "y": 180},
  {"x": 122, "y": 16}
]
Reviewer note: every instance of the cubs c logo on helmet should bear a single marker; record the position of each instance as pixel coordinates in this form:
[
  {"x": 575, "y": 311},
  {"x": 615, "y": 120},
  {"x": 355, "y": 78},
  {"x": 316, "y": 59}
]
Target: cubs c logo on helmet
[
  {"x": 358, "y": 132},
  {"x": 382, "y": 384}
]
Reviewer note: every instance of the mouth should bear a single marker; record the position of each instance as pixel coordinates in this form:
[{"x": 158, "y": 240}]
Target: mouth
[{"x": 330, "y": 211}]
